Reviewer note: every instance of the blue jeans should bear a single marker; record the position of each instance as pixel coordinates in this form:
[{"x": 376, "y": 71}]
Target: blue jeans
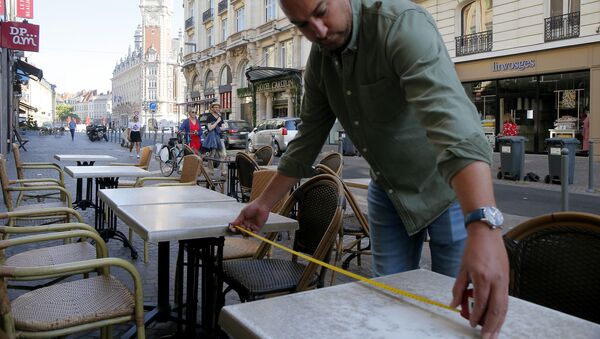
[{"x": 395, "y": 251}]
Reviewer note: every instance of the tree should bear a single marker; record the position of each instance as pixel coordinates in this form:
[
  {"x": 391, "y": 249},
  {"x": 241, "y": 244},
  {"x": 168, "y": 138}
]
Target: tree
[{"x": 63, "y": 111}]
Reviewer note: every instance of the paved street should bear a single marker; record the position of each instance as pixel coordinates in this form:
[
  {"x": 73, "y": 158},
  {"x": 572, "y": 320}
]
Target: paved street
[{"x": 518, "y": 200}]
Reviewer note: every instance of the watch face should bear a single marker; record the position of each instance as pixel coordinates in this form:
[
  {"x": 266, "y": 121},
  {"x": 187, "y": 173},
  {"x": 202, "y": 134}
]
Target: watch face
[{"x": 494, "y": 216}]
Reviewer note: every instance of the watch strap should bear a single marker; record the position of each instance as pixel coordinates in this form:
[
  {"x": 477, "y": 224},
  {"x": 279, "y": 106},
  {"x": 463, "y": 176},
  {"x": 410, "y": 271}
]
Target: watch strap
[{"x": 476, "y": 215}]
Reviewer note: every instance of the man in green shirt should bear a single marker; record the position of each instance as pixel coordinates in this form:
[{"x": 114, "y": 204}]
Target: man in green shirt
[{"x": 381, "y": 69}]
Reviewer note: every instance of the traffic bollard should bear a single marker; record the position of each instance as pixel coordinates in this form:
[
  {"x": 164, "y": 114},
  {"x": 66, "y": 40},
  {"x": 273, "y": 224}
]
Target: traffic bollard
[
  {"x": 591, "y": 168},
  {"x": 564, "y": 182}
]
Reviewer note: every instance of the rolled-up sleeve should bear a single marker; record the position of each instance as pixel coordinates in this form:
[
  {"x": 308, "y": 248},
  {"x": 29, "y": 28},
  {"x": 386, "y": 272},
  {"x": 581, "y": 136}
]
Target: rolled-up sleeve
[{"x": 424, "y": 68}]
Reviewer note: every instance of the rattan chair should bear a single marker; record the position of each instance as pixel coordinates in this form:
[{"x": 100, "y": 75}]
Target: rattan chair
[
  {"x": 210, "y": 182},
  {"x": 70, "y": 307},
  {"x": 319, "y": 214},
  {"x": 9, "y": 186},
  {"x": 359, "y": 231},
  {"x": 22, "y": 166},
  {"x": 144, "y": 163},
  {"x": 333, "y": 161},
  {"x": 245, "y": 165},
  {"x": 264, "y": 155},
  {"x": 554, "y": 262}
]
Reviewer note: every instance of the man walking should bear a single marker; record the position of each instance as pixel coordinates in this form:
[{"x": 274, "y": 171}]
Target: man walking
[
  {"x": 72, "y": 126},
  {"x": 381, "y": 68}
]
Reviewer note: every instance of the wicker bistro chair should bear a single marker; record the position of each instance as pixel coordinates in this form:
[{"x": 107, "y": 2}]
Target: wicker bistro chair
[
  {"x": 359, "y": 231},
  {"x": 319, "y": 214},
  {"x": 333, "y": 161},
  {"x": 264, "y": 155},
  {"x": 22, "y": 166},
  {"x": 144, "y": 163},
  {"x": 205, "y": 179},
  {"x": 554, "y": 262},
  {"x": 8, "y": 186},
  {"x": 245, "y": 167},
  {"x": 70, "y": 307}
]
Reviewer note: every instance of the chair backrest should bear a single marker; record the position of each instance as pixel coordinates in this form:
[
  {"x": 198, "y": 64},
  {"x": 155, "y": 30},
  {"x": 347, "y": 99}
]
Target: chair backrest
[
  {"x": 554, "y": 262},
  {"x": 190, "y": 168},
  {"x": 18, "y": 164},
  {"x": 145, "y": 159},
  {"x": 245, "y": 168},
  {"x": 5, "y": 184},
  {"x": 334, "y": 161},
  {"x": 204, "y": 174},
  {"x": 264, "y": 155},
  {"x": 319, "y": 214}
]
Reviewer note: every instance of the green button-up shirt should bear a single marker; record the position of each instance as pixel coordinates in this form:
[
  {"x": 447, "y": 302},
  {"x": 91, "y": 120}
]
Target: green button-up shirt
[{"x": 395, "y": 91}]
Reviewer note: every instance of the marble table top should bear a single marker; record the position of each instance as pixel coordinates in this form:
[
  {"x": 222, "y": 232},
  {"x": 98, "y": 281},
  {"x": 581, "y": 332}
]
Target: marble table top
[
  {"x": 159, "y": 195},
  {"x": 358, "y": 310},
  {"x": 83, "y": 157},
  {"x": 171, "y": 222},
  {"x": 105, "y": 171}
]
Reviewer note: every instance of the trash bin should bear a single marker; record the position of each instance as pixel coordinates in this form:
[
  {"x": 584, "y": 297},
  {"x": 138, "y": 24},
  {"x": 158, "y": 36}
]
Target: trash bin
[
  {"x": 512, "y": 157},
  {"x": 346, "y": 145},
  {"x": 554, "y": 146}
]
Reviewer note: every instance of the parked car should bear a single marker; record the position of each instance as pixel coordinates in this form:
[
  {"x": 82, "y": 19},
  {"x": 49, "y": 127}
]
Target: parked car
[
  {"x": 235, "y": 133},
  {"x": 277, "y": 132}
]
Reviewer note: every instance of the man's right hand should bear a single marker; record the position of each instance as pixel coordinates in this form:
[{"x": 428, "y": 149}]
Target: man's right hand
[{"x": 252, "y": 217}]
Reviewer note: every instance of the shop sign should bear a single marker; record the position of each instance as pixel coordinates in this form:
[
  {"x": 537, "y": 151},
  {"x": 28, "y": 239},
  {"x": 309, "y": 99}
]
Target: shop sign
[
  {"x": 274, "y": 85},
  {"x": 520, "y": 65},
  {"x": 25, "y": 9},
  {"x": 20, "y": 36}
]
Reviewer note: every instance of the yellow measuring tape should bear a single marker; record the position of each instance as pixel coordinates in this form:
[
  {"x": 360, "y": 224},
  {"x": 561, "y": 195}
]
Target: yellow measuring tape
[{"x": 350, "y": 274}]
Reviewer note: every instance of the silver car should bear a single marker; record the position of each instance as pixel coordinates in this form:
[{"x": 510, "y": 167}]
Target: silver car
[{"x": 277, "y": 132}]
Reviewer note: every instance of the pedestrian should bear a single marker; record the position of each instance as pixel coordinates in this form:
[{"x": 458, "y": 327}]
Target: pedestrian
[
  {"x": 510, "y": 127},
  {"x": 190, "y": 127},
  {"x": 134, "y": 136},
  {"x": 381, "y": 68},
  {"x": 214, "y": 123},
  {"x": 586, "y": 132},
  {"x": 72, "y": 126}
]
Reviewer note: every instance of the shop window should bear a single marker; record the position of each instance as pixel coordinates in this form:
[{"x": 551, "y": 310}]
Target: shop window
[
  {"x": 225, "y": 78},
  {"x": 563, "y": 22},
  {"x": 475, "y": 28}
]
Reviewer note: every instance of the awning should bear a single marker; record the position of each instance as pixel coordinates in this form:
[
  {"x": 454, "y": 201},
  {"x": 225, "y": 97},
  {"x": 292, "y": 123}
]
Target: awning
[
  {"x": 26, "y": 69},
  {"x": 259, "y": 73},
  {"x": 25, "y": 106}
]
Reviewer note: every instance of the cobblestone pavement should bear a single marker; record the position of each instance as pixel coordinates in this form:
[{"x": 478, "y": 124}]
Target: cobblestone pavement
[{"x": 42, "y": 149}]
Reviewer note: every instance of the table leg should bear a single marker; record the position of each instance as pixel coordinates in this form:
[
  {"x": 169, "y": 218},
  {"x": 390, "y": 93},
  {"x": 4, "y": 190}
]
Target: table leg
[
  {"x": 164, "y": 308},
  {"x": 79, "y": 202}
]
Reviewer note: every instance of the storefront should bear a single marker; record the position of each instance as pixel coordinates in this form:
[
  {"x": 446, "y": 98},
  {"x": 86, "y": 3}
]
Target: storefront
[{"x": 547, "y": 93}]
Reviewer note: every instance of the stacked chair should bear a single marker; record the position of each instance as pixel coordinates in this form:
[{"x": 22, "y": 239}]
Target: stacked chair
[{"x": 333, "y": 161}]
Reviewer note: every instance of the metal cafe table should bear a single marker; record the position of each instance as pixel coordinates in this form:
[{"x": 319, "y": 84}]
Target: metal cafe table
[
  {"x": 106, "y": 177},
  {"x": 202, "y": 223},
  {"x": 83, "y": 160},
  {"x": 358, "y": 310}
]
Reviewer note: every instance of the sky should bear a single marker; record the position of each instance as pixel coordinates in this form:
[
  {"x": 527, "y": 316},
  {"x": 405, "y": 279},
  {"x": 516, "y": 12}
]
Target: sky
[{"x": 82, "y": 40}]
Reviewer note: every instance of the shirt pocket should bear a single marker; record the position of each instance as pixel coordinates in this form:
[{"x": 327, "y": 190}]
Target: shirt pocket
[{"x": 380, "y": 101}]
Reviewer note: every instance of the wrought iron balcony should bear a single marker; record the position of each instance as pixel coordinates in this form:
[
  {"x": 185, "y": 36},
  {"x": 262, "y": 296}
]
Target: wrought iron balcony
[
  {"x": 222, "y": 6},
  {"x": 207, "y": 15},
  {"x": 474, "y": 43},
  {"x": 561, "y": 27},
  {"x": 189, "y": 23}
]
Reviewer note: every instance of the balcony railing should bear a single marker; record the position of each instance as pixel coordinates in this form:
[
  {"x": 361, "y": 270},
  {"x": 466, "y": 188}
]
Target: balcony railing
[
  {"x": 474, "y": 43},
  {"x": 189, "y": 23},
  {"x": 561, "y": 27},
  {"x": 207, "y": 15},
  {"x": 222, "y": 6}
]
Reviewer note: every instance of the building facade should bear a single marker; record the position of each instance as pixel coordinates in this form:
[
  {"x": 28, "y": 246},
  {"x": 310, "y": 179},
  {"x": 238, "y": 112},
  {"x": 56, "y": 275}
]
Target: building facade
[
  {"x": 223, "y": 39},
  {"x": 148, "y": 81},
  {"x": 536, "y": 60},
  {"x": 92, "y": 107},
  {"x": 38, "y": 101}
]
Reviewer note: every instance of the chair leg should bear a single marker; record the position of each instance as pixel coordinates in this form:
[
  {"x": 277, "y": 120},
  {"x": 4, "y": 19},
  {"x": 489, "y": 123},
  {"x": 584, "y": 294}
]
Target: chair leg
[
  {"x": 339, "y": 248},
  {"x": 131, "y": 235},
  {"x": 145, "y": 252},
  {"x": 106, "y": 332}
]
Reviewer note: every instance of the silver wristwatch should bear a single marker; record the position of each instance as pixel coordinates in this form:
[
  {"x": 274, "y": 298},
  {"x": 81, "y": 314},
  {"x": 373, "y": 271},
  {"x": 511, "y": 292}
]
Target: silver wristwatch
[{"x": 488, "y": 214}]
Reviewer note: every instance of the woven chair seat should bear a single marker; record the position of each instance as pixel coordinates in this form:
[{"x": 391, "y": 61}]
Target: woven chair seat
[
  {"x": 264, "y": 276},
  {"x": 236, "y": 248},
  {"x": 27, "y": 207},
  {"x": 72, "y": 303},
  {"x": 54, "y": 255}
]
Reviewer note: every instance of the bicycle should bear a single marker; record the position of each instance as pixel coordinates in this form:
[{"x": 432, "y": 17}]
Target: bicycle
[{"x": 170, "y": 156}]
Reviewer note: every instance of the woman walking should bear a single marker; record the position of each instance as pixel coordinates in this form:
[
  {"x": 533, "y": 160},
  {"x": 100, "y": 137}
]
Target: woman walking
[
  {"x": 191, "y": 129},
  {"x": 135, "y": 137}
]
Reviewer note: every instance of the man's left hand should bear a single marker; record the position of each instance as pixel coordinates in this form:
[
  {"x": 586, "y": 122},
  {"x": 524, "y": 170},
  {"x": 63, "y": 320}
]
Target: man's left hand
[{"x": 485, "y": 264}]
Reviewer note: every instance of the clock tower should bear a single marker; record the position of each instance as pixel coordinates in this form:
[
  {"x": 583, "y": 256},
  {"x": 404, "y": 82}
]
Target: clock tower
[{"x": 156, "y": 25}]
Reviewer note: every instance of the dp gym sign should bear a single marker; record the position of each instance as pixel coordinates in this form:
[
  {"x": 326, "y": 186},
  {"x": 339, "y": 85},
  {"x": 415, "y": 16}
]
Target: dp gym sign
[{"x": 20, "y": 36}]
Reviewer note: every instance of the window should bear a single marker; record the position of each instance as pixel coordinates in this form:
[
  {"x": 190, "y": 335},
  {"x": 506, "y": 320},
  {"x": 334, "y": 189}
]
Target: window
[
  {"x": 209, "y": 83},
  {"x": 269, "y": 56},
  {"x": 152, "y": 94},
  {"x": 209, "y": 37},
  {"x": 270, "y": 10},
  {"x": 152, "y": 71},
  {"x": 225, "y": 76},
  {"x": 209, "y": 4},
  {"x": 224, "y": 32},
  {"x": 477, "y": 17},
  {"x": 287, "y": 54},
  {"x": 239, "y": 19},
  {"x": 152, "y": 83},
  {"x": 242, "y": 74},
  {"x": 560, "y": 7}
]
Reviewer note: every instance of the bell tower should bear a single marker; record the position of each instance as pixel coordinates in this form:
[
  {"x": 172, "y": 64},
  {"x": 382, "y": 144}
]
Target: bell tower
[{"x": 156, "y": 25}]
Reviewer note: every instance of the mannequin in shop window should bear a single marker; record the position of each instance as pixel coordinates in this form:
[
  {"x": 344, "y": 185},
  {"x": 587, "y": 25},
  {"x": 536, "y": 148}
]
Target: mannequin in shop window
[{"x": 509, "y": 128}]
